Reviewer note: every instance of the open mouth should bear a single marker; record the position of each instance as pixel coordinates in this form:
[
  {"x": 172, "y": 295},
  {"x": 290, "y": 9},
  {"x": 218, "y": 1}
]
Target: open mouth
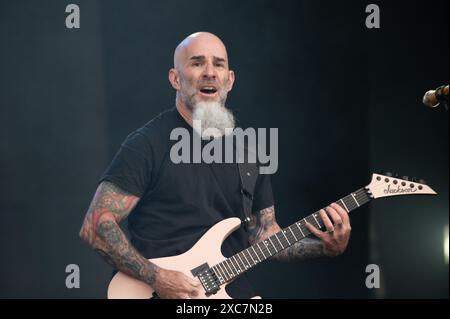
[{"x": 208, "y": 90}]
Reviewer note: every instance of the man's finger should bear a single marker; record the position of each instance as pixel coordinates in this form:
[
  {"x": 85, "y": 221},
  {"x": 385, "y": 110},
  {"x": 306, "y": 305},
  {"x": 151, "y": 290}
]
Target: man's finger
[
  {"x": 191, "y": 287},
  {"x": 193, "y": 292},
  {"x": 342, "y": 212},
  {"x": 193, "y": 282},
  {"x": 329, "y": 226},
  {"x": 337, "y": 219},
  {"x": 314, "y": 230}
]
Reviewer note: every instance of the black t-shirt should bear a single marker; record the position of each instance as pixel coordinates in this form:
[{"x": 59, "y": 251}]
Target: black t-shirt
[{"x": 180, "y": 202}]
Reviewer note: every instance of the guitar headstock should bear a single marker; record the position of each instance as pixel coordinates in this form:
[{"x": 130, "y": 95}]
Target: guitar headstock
[{"x": 387, "y": 185}]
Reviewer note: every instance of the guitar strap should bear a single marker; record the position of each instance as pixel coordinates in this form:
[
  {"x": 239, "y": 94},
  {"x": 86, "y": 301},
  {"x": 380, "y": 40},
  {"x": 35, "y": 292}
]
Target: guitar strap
[{"x": 248, "y": 174}]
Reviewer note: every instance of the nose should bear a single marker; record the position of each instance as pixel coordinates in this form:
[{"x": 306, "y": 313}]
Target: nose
[{"x": 209, "y": 72}]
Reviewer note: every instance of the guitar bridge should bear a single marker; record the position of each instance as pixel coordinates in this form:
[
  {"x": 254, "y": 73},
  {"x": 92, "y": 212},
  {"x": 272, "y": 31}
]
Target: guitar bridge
[{"x": 208, "y": 278}]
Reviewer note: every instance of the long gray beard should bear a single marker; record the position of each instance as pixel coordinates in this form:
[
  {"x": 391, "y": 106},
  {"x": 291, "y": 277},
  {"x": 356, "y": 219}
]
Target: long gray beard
[{"x": 214, "y": 118}]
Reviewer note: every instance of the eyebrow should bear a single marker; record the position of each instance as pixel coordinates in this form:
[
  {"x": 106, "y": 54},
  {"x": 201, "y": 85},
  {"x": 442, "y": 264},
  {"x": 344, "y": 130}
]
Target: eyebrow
[{"x": 202, "y": 58}]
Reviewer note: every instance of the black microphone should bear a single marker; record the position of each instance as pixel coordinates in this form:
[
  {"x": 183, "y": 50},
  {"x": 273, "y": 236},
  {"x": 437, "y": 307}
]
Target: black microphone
[{"x": 434, "y": 97}]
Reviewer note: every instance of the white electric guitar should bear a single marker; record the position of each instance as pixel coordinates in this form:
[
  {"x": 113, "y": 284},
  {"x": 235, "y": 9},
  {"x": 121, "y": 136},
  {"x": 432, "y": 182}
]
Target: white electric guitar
[{"x": 206, "y": 262}]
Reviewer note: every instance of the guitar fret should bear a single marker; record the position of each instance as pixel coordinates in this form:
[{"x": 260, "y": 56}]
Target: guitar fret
[
  {"x": 227, "y": 274},
  {"x": 304, "y": 219},
  {"x": 300, "y": 228},
  {"x": 243, "y": 264},
  {"x": 251, "y": 256},
  {"x": 223, "y": 264},
  {"x": 222, "y": 273},
  {"x": 233, "y": 263},
  {"x": 283, "y": 231},
  {"x": 259, "y": 259},
  {"x": 293, "y": 234},
  {"x": 321, "y": 223},
  {"x": 353, "y": 201},
  {"x": 232, "y": 272},
  {"x": 279, "y": 241},
  {"x": 266, "y": 244},
  {"x": 274, "y": 247},
  {"x": 353, "y": 195},
  {"x": 232, "y": 268},
  {"x": 257, "y": 244},
  {"x": 218, "y": 274},
  {"x": 241, "y": 258},
  {"x": 267, "y": 247},
  {"x": 345, "y": 206},
  {"x": 243, "y": 252},
  {"x": 316, "y": 221},
  {"x": 349, "y": 202},
  {"x": 240, "y": 263}
]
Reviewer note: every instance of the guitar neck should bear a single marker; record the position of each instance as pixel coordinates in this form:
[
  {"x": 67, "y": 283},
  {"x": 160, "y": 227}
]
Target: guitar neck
[{"x": 239, "y": 263}]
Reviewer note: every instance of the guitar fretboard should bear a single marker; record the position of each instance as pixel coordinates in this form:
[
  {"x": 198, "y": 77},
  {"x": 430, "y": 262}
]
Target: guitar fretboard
[{"x": 237, "y": 264}]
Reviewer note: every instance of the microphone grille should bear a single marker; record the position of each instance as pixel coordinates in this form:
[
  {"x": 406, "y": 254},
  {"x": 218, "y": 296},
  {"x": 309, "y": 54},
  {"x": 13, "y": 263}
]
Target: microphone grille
[{"x": 429, "y": 99}]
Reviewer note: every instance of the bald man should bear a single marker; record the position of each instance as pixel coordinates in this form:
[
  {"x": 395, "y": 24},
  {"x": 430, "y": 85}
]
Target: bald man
[{"x": 170, "y": 206}]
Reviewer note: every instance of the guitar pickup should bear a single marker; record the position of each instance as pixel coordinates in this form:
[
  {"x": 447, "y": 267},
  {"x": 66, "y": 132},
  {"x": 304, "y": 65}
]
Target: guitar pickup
[{"x": 207, "y": 277}]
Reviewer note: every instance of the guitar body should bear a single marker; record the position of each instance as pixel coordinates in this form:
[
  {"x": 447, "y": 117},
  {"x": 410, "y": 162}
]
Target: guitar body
[{"x": 206, "y": 250}]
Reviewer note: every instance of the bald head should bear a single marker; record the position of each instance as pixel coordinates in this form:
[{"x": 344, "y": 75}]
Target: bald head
[
  {"x": 195, "y": 43},
  {"x": 201, "y": 72}
]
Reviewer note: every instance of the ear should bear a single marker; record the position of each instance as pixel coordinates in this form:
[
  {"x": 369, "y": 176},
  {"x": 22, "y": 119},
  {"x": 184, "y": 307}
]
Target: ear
[
  {"x": 174, "y": 79},
  {"x": 230, "y": 80}
]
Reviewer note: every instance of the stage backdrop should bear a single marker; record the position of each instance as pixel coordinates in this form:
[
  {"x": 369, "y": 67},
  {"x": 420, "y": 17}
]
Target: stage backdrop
[{"x": 346, "y": 100}]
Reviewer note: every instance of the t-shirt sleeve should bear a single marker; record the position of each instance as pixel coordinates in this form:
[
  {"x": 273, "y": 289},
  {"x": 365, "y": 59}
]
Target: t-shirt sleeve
[
  {"x": 131, "y": 167},
  {"x": 263, "y": 196}
]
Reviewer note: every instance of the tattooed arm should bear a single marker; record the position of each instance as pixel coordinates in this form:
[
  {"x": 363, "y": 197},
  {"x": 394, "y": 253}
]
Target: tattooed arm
[
  {"x": 331, "y": 243},
  {"x": 102, "y": 232}
]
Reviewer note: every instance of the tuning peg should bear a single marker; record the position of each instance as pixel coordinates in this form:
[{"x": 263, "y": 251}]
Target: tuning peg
[
  {"x": 406, "y": 178},
  {"x": 414, "y": 180},
  {"x": 388, "y": 174},
  {"x": 395, "y": 175},
  {"x": 422, "y": 181}
]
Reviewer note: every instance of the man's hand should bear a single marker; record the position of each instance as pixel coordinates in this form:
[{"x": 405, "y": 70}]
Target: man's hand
[
  {"x": 335, "y": 238},
  {"x": 171, "y": 284},
  {"x": 263, "y": 225}
]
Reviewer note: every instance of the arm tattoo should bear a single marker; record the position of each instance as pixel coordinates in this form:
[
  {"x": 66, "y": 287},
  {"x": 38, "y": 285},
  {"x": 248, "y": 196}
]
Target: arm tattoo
[
  {"x": 102, "y": 231},
  {"x": 108, "y": 200},
  {"x": 263, "y": 225},
  {"x": 119, "y": 253},
  {"x": 306, "y": 248}
]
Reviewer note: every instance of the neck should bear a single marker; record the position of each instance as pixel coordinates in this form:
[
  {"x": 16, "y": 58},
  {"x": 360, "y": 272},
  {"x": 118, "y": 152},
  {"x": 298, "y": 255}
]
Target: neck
[
  {"x": 184, "y": 111},
  {"x": 239, "y": 263}
]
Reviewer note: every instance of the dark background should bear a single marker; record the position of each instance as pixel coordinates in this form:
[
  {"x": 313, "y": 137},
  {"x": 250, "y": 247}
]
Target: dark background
[{"x": 346, "y": 100}]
